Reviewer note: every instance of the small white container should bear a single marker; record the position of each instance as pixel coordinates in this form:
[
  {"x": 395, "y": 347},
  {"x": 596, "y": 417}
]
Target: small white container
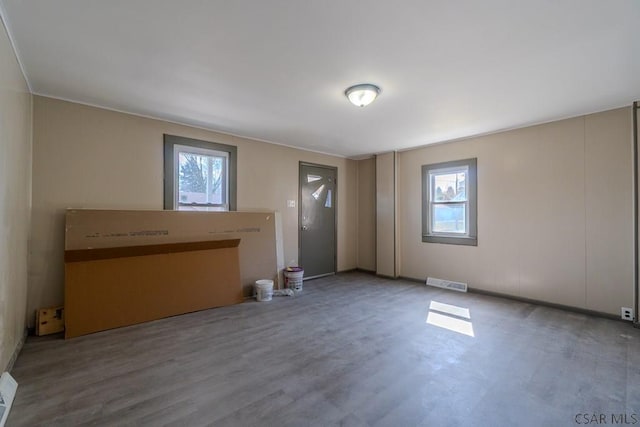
[{"x": 264, "y": 290}]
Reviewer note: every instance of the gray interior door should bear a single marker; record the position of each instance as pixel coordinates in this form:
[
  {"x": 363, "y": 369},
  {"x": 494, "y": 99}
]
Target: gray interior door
[{"x": 317, "y": 220}]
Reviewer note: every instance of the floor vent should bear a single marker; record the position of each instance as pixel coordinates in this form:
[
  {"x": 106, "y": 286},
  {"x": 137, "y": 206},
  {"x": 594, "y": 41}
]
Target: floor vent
[
  {"x": 447, "y": 284},
  {"x": 8, "y": 387}
]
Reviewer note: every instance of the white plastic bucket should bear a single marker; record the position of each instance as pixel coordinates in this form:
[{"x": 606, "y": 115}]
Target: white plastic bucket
[
  {"x": 264, "y": 290},
  {"x": 293, "y": 278}
]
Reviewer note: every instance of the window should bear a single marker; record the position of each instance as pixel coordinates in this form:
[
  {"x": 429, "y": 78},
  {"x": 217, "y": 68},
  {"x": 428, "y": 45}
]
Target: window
[
  {"x": 199, "y": 175},
  {"x": 449, "y": 203}
]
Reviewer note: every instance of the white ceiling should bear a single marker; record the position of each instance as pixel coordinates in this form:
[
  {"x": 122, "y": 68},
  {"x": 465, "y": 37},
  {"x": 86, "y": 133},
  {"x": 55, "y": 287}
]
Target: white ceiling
[{"x": 276, "y": 70}]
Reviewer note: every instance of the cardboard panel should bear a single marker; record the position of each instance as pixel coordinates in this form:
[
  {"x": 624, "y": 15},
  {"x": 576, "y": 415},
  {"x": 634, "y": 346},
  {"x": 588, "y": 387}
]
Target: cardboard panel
[
  {"x": 109, "y": 293},
  {"x": 259, "y": 256},
  {"x": 49, "y": 320}
]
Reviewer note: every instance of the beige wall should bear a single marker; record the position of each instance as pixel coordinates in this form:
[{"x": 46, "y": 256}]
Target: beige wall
[
  {"x": 386, "y": 215},
  {"x": 555, "y": 219},
  {"x": 367, "y": 214},
  {"x": 15, "y": 199},
  {"x": 87, "y": 157},
  {"x": 637, "y": 260}
]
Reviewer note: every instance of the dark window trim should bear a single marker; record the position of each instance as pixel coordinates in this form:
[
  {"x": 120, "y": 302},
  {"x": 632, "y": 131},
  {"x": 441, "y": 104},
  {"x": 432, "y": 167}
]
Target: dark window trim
[
  {"x": 170, "y": 141},
  {"x": 472, "y": 194}
]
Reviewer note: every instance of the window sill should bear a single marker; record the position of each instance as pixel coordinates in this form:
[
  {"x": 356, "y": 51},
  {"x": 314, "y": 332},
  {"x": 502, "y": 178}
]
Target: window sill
[{"x": 451, "y": 240}]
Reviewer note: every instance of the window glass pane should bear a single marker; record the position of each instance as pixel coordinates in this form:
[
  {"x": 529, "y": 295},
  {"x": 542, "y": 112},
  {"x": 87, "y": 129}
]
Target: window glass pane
[
  {"x": 449, "y": 186},
  {"x": 449, "y": 202},
  {"x": 449, "y": 218},
  {"x": 327, "y": 203},
  {"x": 202, "y": 179},
  {"x": 199, "y": 175},
  {"x": 316, "y": 194},
  {"x": 202, "y": 208}
]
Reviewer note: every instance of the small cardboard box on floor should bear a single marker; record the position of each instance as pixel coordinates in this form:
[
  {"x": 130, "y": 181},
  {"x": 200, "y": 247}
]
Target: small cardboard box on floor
[
  {"x": 49, "y": 320},
  {"x": 126, "y": 267}
]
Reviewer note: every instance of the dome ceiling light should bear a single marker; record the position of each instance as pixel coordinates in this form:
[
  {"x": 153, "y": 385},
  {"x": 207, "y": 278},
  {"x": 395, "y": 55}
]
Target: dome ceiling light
[{"x": 363, "y": 94}]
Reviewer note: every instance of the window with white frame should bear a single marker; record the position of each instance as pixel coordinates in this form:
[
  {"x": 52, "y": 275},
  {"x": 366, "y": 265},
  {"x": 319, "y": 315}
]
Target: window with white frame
[
  {"x": 449, "y": 202},
  {"x": 199, "y": 175}
]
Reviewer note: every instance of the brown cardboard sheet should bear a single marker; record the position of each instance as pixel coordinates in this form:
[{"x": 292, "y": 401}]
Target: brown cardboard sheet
[
  {"x": 104, "y": 293},
  {"x": 258, "y": 251}
]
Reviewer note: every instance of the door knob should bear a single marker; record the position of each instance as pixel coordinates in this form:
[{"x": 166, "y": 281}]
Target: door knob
[{"x": 304, "y": 227}]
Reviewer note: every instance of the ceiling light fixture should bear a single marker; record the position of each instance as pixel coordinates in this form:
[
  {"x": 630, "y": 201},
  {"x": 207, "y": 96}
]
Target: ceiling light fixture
[{"x": 363, "y": 94}]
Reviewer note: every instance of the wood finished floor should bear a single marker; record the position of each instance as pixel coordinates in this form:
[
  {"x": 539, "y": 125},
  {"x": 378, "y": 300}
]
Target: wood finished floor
[{"x": 351, "y": 350}]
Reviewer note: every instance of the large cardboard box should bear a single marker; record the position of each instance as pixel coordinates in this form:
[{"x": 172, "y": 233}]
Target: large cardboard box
[
  {"x": 260, "y": 251},
  {"x": 112, "y": 287}
]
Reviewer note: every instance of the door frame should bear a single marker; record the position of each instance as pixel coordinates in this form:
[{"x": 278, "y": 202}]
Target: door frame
[{"x": 335, "y": 219}]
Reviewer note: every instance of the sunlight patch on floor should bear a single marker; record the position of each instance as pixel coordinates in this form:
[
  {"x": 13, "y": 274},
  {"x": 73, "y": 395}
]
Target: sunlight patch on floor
[
  {"x": 450, "y": 309},
  {"x": 450, "y": 317}
]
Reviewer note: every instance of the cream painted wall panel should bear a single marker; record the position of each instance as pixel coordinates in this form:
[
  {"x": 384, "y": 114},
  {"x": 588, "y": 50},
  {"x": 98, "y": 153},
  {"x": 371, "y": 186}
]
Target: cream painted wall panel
[
  {"x": 409, "y": 216},
  {"x": 477, "y": 266},
  {"x": 498, "y": 253},
  {"x": 348, "y": 240},
  {"x": 532, "y": 226},
  {"x": 609, "y": 204},
  {"x": 419, "y": 259},
  {"x": 635, "y": 131},
  {"x": 15, "y": 199},
  {"x": 94, "y": 158},
  {"x": 367, "y": 214},
  {"x": 551, "y": 210},
  {"x": 506, "y": 166},
  {"x": 386, "y": 215}
]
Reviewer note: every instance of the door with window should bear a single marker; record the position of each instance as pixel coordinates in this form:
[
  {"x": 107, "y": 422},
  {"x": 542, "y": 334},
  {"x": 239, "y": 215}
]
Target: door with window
[{"x": 317, "y": 220}]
